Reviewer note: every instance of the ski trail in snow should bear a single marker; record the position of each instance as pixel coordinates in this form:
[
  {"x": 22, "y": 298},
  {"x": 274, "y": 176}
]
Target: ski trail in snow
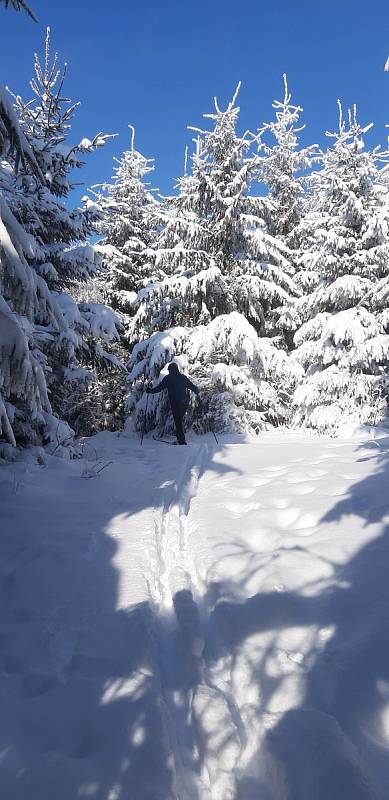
[
  {"x": 172, "y": 569},
  {"x": 177, "y": 629},
  {"x": 202, "y": 723}
]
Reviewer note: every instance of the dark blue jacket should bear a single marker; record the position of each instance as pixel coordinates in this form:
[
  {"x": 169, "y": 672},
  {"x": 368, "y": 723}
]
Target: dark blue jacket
[{"x": 177, "y": 386}]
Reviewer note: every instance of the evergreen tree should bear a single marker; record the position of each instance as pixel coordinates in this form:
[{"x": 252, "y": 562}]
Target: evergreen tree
[
  {"x": 130, "y": 218},
  {"x": 229, "y": 273},
  {"x": 283, "y": 169},
  {"x": 223, "y": 257},
  {"x": 343, "y": 343},
  {"x": 62, "y": 338},
  {"x": 24, "y": 404},
  {"x": 46, "y": 123}
]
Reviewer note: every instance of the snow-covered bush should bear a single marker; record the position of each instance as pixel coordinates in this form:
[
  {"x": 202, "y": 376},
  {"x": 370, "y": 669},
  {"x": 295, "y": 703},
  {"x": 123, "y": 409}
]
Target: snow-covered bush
[
  {"x": 246, "y": 382},
  {"x": 343, "y": 355}
]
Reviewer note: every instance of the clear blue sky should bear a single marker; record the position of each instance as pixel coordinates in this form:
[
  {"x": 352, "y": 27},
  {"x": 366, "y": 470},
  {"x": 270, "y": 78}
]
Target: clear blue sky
[{"x": 158, "y": 63}]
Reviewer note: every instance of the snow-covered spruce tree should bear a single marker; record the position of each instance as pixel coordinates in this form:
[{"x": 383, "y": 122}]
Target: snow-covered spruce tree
[
  {"x": 283, "y": 169},
  {"x": 343, "y": 343},
  {"x": 24, "y": 404},
  {"x": 129, "y": 226},
  {"x": 61, "y": 232},
  {"x": 215, "y": 223},
  {"x": 66, "y": 258},
  {"x": 186, "y": 257},
  {"x": 64, "y": 336},
  {"x": 211, "y": 310},
  {"x": 283, "y": 166}
]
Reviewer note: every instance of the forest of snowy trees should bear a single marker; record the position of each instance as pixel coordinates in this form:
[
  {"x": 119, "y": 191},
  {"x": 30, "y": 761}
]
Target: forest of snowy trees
[{"x": 265, "y": 276}]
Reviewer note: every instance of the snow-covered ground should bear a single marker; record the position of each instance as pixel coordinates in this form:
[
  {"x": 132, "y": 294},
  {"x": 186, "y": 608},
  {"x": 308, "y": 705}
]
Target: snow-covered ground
[{"x": 209, "y": 622}]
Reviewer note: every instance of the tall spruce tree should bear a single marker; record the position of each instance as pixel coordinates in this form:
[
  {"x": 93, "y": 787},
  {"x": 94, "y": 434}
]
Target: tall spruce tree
[
  {"x": 25, "y": 409},
  {"x": 343, "y": 343},
  {"x": 211, "y": 311},
  {"x": 62, "y": 337},
  {"x": 284, "y": 168},
  {"x": 217, "y": 238},
  {"x": 46, "y": 120},
  {"x": 130, "y": 216}
]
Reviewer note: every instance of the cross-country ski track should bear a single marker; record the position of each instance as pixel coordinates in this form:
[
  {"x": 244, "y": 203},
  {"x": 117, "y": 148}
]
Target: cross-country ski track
[{"x": 196, "y": 623}]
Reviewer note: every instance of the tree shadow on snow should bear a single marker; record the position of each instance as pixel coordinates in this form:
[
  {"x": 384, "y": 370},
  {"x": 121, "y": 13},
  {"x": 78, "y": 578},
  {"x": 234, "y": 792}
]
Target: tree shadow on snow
[
  {"x": 96, "y": 698},
  {"x": 82, "y": 709},
  {"x": 335, "y": 742}
]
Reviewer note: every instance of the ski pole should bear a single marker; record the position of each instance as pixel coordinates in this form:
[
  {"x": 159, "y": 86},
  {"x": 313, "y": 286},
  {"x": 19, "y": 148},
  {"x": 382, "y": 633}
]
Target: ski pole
[
  {"x": 144, "y": 421},
  {"x": 210, "y": 429}
]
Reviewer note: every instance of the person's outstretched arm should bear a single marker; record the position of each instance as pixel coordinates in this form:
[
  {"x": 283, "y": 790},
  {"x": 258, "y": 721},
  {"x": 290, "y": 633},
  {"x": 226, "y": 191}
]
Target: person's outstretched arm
[
  {"x": 159, "y": 388},
  {"x": 192, "y": 386}
]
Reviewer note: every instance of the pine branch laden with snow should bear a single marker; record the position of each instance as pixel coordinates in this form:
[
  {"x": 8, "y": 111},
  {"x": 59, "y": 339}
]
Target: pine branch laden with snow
[
  {"x": 23, "y": 297},
  {"x": 343, "y": 342},
  {"x": 23, "y": 392},
  {"x": 12, "y": 138}
]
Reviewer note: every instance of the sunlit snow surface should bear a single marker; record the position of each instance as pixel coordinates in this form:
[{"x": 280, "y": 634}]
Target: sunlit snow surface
[{"x": 193, "y": 623}]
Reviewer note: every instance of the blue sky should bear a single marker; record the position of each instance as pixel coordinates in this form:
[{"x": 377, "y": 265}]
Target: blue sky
[{"x": 158, "y": 64}]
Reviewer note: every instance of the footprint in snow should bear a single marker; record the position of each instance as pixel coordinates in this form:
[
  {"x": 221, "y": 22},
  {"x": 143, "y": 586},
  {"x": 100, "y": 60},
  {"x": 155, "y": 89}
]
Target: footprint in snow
[
  {"x": 287, "y": 517},
  {"x": 303, "y": 488},
  {"x": 337, "y": 491},
  {"x": 241, "y": 508},
  {"x": 36, "y": 685},
  {"x": 306, "y": 522},
  {"x": 261, "y": 481},
  {"x": 280, "y": 502},
  {"x": 297, "y": 477},
  {"x": 316, "y": 473},
  {"x": 245, "y": 494}
]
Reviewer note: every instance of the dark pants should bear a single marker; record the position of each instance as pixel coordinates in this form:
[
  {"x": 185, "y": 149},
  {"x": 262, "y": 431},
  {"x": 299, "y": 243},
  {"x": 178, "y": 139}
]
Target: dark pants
[{"x": 179, "y": 410}]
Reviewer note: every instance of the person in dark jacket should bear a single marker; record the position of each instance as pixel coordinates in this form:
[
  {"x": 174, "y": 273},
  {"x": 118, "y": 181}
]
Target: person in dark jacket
[{"x": 177, "y": 386}]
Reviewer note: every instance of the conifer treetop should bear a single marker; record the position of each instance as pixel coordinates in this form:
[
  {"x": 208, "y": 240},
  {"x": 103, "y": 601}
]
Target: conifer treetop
[
  {"x": 130, "y": 214},
  {"x": 283, "y": 165},
  {"x": 46, "y": 121}
]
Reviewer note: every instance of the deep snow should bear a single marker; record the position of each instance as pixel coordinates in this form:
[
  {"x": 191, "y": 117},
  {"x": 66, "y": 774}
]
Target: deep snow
[{"x": 194, "y": 623}]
